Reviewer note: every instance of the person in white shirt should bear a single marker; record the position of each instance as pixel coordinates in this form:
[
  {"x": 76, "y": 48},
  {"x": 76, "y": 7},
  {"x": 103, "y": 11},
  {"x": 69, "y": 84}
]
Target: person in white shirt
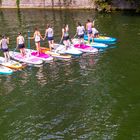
[
  {"x": 37, "y": 37},
  {"x": 49, "y": 35},
  {"x": 95, "y": 32},
  {"x": 80, "y": 32},
  {"x": 20, "y": 44}
]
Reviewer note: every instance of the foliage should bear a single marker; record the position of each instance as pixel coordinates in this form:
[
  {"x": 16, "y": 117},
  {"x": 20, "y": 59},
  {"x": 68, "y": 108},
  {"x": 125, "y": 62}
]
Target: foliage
[
  {"x": 137, "y": 2},
  {"x": 105, "y": 5},
  {"x": 18, "y": 3}
]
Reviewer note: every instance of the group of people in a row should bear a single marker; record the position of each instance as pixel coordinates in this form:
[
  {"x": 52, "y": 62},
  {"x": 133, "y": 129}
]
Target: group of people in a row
[{"x": 49, "y": 35}]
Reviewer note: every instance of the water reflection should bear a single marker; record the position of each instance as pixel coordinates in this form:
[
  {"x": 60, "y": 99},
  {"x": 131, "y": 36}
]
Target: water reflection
[
  {"x": 41, "y": 77},
  {"x": 7, "y": 86},
  {"x": 19, "y": 17},
  {"x": 87, "y": 63},
  {"x": 24, "y": 77}
]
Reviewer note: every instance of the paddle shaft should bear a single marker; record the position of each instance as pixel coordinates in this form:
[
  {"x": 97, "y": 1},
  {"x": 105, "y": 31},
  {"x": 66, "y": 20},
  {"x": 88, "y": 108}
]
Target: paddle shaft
[{"x": 29, "y": 40}]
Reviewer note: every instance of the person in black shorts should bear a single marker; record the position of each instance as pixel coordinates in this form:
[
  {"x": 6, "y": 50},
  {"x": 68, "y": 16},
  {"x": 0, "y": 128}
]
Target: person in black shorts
[
  {"x": 20, "y": 44},
  {"x": 4, "y": 46}
]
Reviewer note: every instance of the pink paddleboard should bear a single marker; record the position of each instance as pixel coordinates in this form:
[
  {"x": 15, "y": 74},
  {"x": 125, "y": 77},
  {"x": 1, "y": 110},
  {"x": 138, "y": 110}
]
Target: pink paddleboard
[
  {"x": 85, "y": 48},
  {"x": 41, "y": 56}
]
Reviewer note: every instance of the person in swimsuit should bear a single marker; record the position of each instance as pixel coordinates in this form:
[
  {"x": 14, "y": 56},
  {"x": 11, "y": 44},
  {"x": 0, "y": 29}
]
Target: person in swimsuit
[
  {"x": 37, "y": 37},
  {"x": 95, "y": 32},
  {"x": 80, "y": 32},
  {"x": 20, "y": 44},
  {"x": 65, "y": 36},
  {"x": 49, "y": 36},
  {"x": 89, "y": 29},
  {"x": 4, "y": 46}
]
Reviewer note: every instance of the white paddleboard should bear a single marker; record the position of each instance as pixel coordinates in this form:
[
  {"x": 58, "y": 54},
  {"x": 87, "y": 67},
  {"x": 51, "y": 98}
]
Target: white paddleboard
[
  {"x": 70, "y": 50},
  {"x": 11, "y": 64},
  {"x": 55, "y": 54},
  {"x": 5, "y": 70},
  {"x": 26, "y": 59}
]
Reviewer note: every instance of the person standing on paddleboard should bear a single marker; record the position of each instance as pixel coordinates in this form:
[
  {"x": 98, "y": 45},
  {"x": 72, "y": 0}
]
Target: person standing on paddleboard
[
  {"x": 37, "y": 37},
  {"x": 20, "y": 44},
  {"x": 65, "y": 36},
  {"x": 95, "y": 33},
  {"x": 49, "y": 34},
  {"x": 80, "y": 32},
  {"x": 4, "y": 46},
  {"x": 89, "y": 25}
]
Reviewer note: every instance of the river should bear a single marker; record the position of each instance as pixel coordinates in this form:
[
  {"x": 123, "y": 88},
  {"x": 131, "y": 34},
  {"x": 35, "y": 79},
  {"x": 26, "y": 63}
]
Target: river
[{"x": 93, "y": 97}]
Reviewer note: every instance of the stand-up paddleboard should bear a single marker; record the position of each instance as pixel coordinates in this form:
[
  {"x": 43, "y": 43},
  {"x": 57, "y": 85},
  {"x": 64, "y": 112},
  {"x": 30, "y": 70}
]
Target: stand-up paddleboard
[
  {"x": 41, "y": 56},
  {"x": 70, "y": 50},
  {"x": 103, "y": 39},
  {"x": 11, "y": 64},
  {"x": 4, "y": 70},
  {"x": 85, "y": 48},
  {"x": 94, "y": 44},
  {"x": 55, "y": 54},
  {"x": 34, "y": 53},
  {"x": 26, "y": 59}
]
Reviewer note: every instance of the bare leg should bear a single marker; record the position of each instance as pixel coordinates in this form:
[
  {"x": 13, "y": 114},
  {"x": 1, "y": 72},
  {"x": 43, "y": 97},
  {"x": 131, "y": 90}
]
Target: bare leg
[
  {"x": 50, "y": 45},
  {"x": 81, "y": 40},
  {"x": 65, "y": 43},
  {"x": 68, "y": 43},
  {"x": 92, "y": 38},
  {"x": 21, "y": 52},
  {"x": 52, "y": 42},
  {"x": 8, "y": 56},
  {"x": 5, "y": 56},
  {"x": 38, "y": 48},
  {"x": 88, "y": 38}
]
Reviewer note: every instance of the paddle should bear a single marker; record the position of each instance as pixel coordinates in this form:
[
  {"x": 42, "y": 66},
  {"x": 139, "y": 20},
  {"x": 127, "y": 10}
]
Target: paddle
[
  {"x": 15, "y": 49},
  {"x": 75, "y": 35},
  {"x": 29, "y": 40},
  {"x": 60, "y": 42},
  {"x": 29, "y": 46}
]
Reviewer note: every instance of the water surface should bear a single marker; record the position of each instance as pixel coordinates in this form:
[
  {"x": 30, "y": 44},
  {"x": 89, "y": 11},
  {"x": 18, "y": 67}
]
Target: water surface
[{"x": 93, "y": 97}]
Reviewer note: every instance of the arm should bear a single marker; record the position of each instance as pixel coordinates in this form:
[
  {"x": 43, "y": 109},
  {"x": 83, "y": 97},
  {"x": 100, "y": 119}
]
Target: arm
[
  {"x": 76, "y": 33},
  {"x": 67, "y": 27},
  {"x": 7, "y": 40},
  {"x": 17, "y": 41},
  {"x": 0, "y": 44},
  {"x": 32, "y": 37},
  {"x": 23, "y": 39},
  {"x": 62, "y": 34},
  {"x": 40, "y": 36},
  {"x": 86, "y": 26},
  {"x": 46, "y": 32}
]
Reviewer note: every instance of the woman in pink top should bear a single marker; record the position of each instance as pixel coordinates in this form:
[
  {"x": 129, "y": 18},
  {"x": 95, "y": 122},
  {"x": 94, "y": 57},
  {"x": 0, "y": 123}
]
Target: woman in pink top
[{"x": 89, "y": 29}]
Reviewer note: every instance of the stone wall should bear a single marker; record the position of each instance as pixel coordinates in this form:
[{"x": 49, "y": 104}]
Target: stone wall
[
  {"x": 123, "y": 4},
  {"x": 49, "y": 4},
  {"x": 77, "y": 4}
]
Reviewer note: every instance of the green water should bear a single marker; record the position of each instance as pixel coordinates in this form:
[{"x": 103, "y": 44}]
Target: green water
[{"x": 93, "y": 97}]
